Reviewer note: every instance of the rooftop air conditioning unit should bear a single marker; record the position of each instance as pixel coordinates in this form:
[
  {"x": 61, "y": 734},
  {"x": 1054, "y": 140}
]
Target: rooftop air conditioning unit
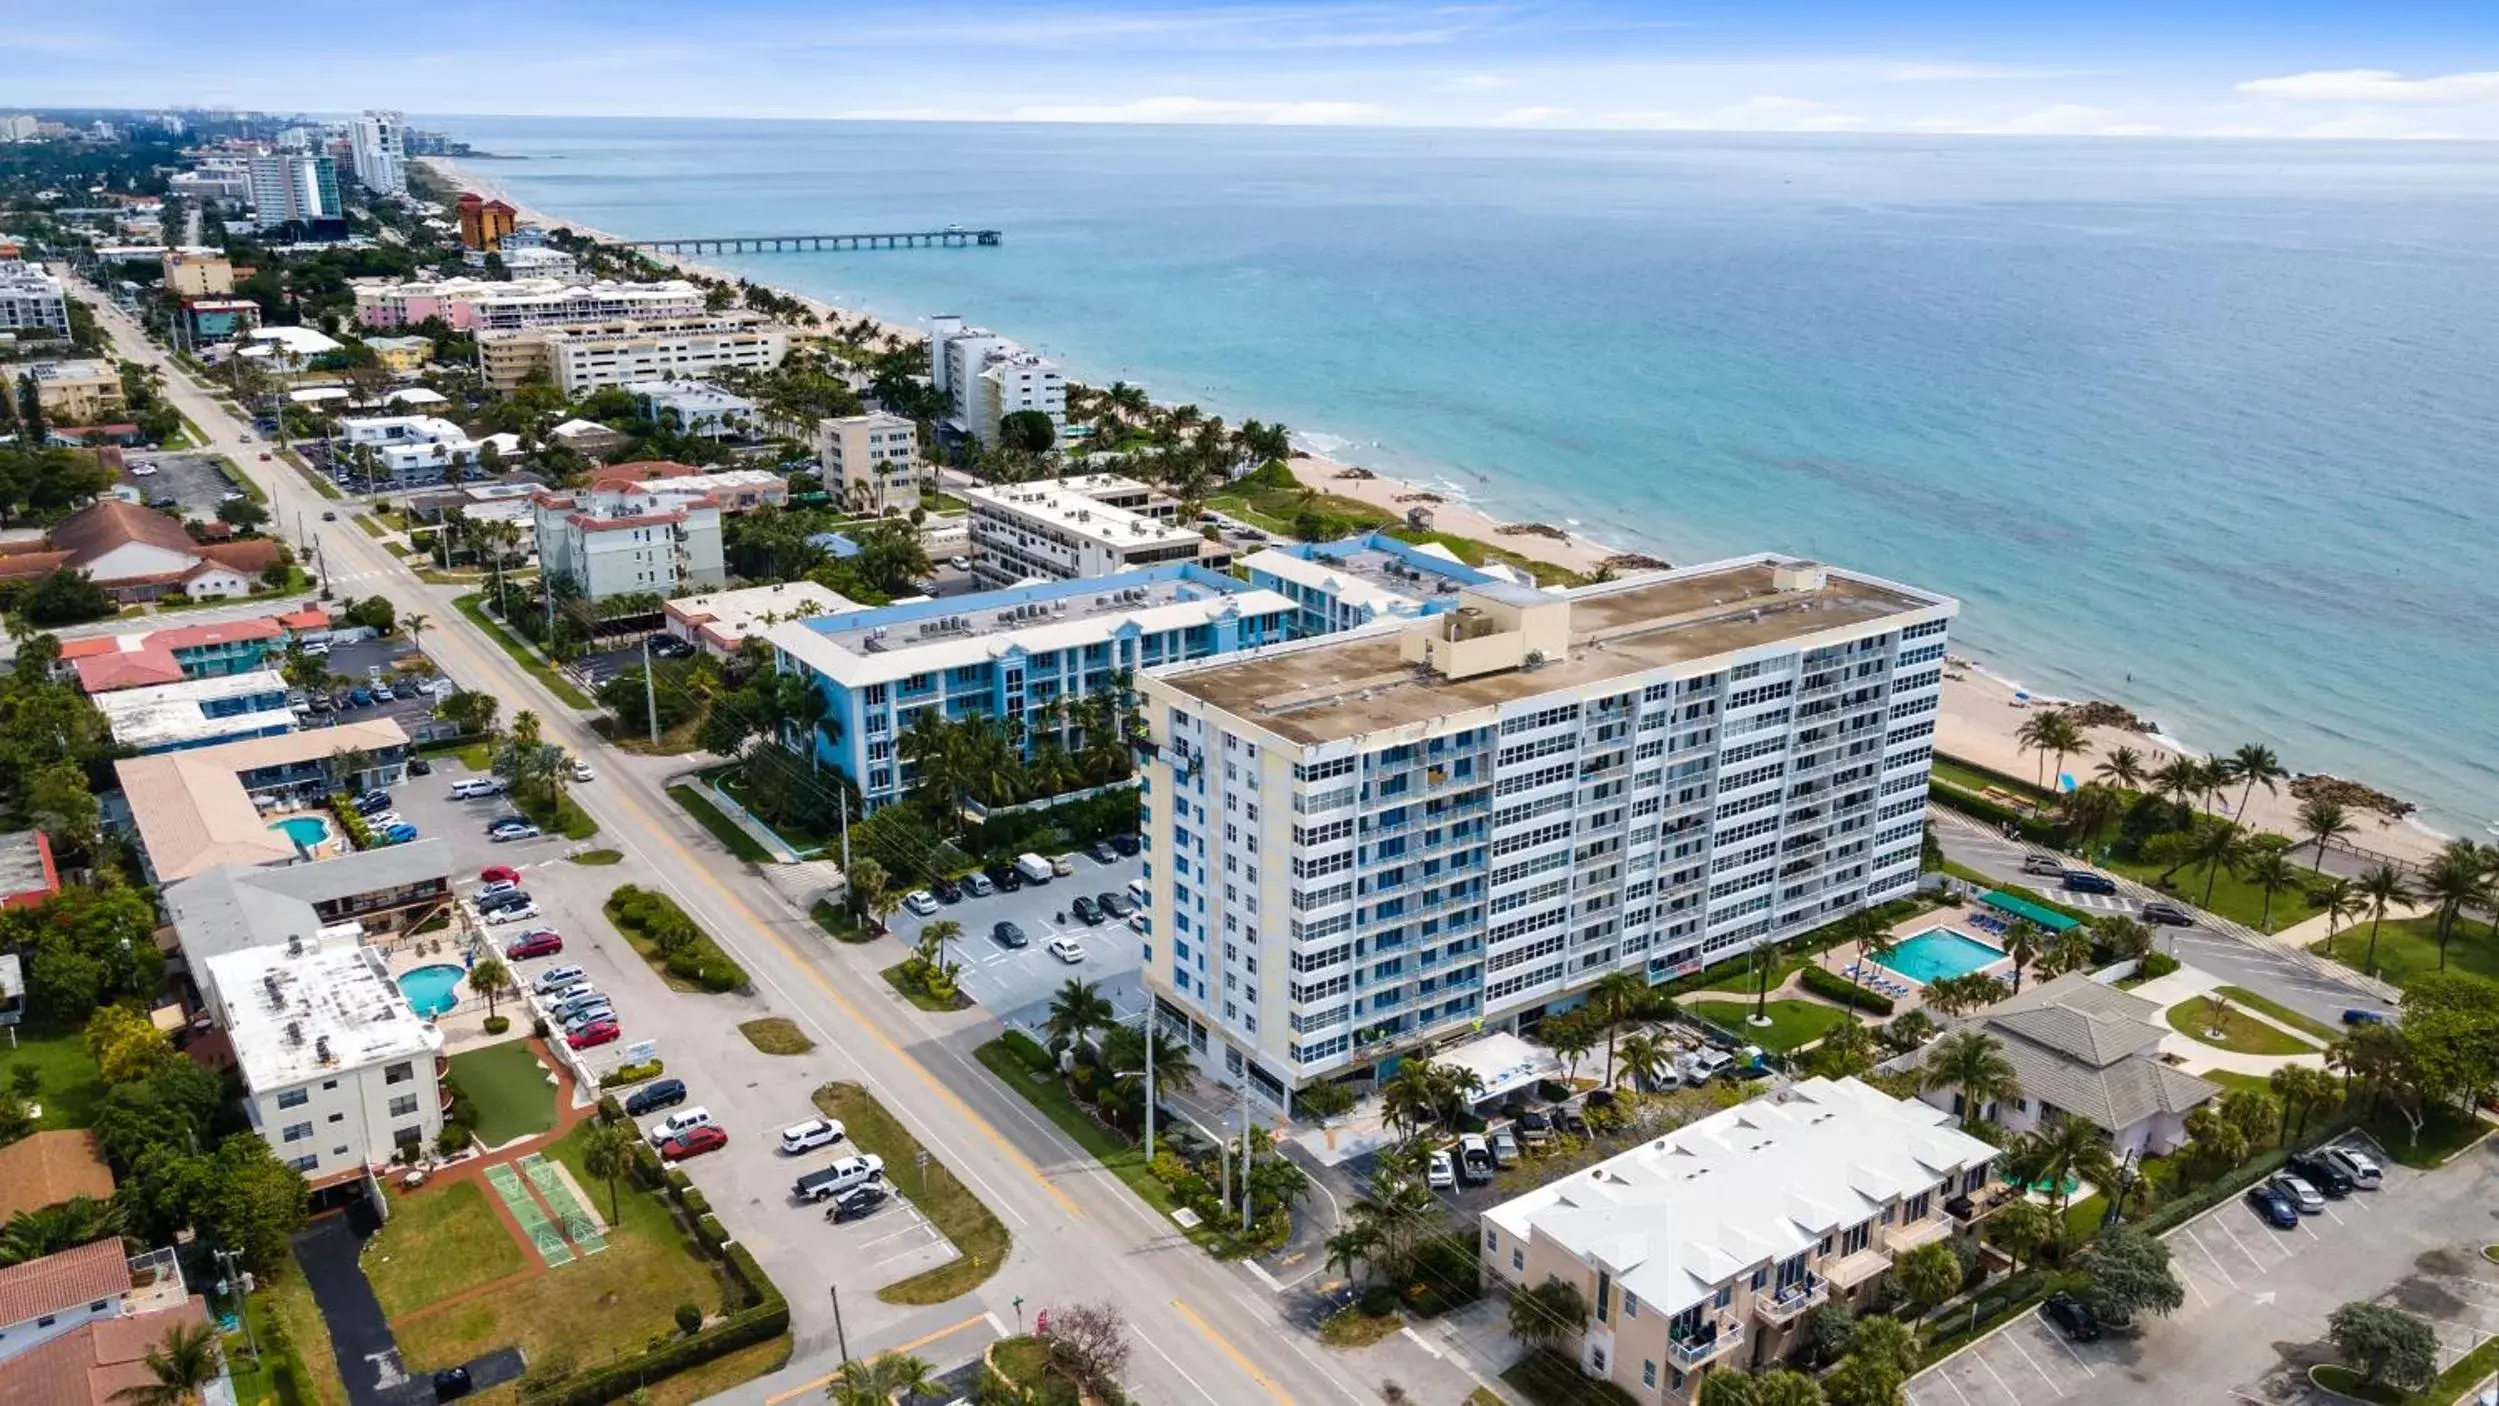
[
  {"x": 294, "y": 1032},
  {"x": 321, "y": 1048}
]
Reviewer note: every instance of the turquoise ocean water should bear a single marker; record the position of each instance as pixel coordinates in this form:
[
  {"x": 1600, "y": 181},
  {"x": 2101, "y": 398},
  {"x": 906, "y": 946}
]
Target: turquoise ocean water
[{"x": 2208, "y": 428}]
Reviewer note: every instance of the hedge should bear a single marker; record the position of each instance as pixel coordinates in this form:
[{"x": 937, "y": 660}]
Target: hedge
[
  {"x": 695, "y": 1202},
  {"x": 610, "y": 1111},
  {"x": 709, "y": 1230},
  {"x": 624, "y": 1074},
  {"x": 1832, "y": 986},
  {"x": 1030, "y": 1053},
  {"x": 1978, "y": 807}
]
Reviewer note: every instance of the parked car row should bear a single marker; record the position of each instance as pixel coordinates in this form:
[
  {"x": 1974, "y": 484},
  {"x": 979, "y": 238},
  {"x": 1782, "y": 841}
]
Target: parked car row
[
  {"x": 1024, "y": 869},
  {"x": 381, "y": 822},
  {"x": 2158, "y": 910},
  {"x": 574, "y": 1008}
]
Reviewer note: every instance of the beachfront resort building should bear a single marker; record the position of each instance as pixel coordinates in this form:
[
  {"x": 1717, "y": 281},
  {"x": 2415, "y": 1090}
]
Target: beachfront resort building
[
  {"x": 34, "y": 307},
  {"x": 871, "y": 462},
  {"x": 535, "y": 262},
  {"x": 1364, "y": 843},
  {"x": 720, "y": 622},
  {"x": 625, "y": 538},
  {"x": 297, "y": 188},
  {"x": 377, "y": 145},
  {"x": 484, "y": 224},
  {"x": 1350, "y": 583},
  {"x": 477, "y": 304},
  {"x": 1704, "y": 1250},
  {"x": 2080, "y": 1049},
  {"x": 581, "y": 359},
  {"x": 1006, "y": 654},
  {"x": 1053, "y": 530},
  {"x": 986, "y": 377}
]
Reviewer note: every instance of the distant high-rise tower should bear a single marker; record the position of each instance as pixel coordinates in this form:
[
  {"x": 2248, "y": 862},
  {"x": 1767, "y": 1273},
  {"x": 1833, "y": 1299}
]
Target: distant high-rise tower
[
  {"x": 304, "y": 189},
  {"x": 377, "y": 146}
]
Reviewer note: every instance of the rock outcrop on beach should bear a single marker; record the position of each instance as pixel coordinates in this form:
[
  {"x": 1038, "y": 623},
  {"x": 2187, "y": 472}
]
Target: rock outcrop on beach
[
  {"x": 1534, "y": 529},
  {"x": 1636, "y": 561},
  {"x": 2351, "y": 795},
  {"x": 2098, "y": 712}
]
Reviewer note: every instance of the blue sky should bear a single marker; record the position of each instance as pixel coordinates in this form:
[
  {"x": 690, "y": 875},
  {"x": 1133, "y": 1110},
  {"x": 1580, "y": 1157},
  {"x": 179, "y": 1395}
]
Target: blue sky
[{"x": 2082, "y": 67}]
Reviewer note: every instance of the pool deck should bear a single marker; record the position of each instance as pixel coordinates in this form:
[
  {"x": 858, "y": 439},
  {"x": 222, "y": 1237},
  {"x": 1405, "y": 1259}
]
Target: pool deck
[{"x": 1839, "y": 959}]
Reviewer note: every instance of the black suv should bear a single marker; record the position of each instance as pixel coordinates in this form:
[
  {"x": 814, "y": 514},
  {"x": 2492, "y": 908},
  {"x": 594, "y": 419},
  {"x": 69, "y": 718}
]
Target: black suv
[
  {"x": 1125, "y": 843},
  {"x": 654, "y": 1096},
  {"x": 946, "y": 890},
  {"x": 1087, "y": 911},
  {"x": 1007, "y": 877},
  {"x": 2320, "y": 1173},
  {"x": 2071, "y": 1318}
]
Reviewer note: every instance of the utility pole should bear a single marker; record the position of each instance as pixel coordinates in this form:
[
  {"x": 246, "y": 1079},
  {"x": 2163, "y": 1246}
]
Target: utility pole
[
  {"x": 650, "y": 693},
  {"x": 843, "y": 798},
  {"x": 1149, "y": 1076},
  {"x": 840, "y": 1338},
  {"x": 1243, "y": 1097}
]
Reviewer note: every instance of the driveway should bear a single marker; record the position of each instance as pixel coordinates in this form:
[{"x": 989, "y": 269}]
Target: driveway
[
  {"x": 1015, "y": 984},
  {"x": 360, "y": 1337},
  {"x": 2257, "y": 1299},
  {"x": 196, "y": 483}
]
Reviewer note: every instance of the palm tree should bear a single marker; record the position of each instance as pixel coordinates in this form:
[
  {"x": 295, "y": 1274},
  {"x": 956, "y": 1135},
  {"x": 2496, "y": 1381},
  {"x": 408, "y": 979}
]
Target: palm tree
[
  {"x": 2177, "y": 780},
  {"x": 2218, "y": 846},
  {"x": 2384, "y": 886},
  {"x": 2213, "y": 776},
  {"x": 2021, "y": 943},
  {"x": 2122, "y": 768},
  {"x": 2271, "y": 871},
  {"x": 1644, "y": 1056},
  {"x": 878, "y": 1381},
  {"x": 2065, "y": 739},
  {"x": 2039, "y": 733},
  {"x": 1348, "y": 1249},
  {"x": 1076, "y": 1011},
  {"x": 1123, "y": 1052},
  {"x": 2342, "y": 902},
  {"x": 2067, "y": 951},
  {"x": 2019, "y": 1227},
  {"x": 607, "y": 1152},
  {"x": 416, "y": 624},
  {"x": 31, "y": 1235},
  {"x": 2256, "y": 765},
  {"x": 491, "y": 976},
  {"x": 933, "y": 939},
  {"x": 1408, "y": 1100},
  {"x": 2458, "y": 876},
  {"x": 2062, "y": 1152},
  {"x": 181, "y": 1367},
  {"x": 1572, "y": 1040},
  {"x": 1614, "y": 996},
  {"x": 1972, "y": 1063},
  {"x": 2089, "y": 808},
  {"x": 2323, "y": 820}
]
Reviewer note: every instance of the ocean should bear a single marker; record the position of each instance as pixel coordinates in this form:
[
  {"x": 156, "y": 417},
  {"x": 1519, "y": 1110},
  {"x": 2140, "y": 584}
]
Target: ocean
[{"x": 2208, "y": 428}]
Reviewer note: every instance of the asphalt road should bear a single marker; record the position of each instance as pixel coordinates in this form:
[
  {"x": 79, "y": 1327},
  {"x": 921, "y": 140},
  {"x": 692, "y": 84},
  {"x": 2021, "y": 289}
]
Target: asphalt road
[{"x": 1203, "y": 1331}]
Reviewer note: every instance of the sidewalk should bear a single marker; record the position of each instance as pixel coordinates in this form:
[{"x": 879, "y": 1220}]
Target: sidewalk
[{"x": 2188, "y": 984}]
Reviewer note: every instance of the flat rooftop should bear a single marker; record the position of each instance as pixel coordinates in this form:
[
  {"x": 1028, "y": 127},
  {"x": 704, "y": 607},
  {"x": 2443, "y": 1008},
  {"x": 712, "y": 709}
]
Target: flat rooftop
[
  {"x": 1330, "y": 689},
  {"x": 176, "y": 712},
  {"x": 1074, "y": 511},
  {"x": 899, "y": 640},
  {"x": 727, "y": 617},
  {"x": 301, "y": 1015},
  {"x": 1380, "y": 572}
]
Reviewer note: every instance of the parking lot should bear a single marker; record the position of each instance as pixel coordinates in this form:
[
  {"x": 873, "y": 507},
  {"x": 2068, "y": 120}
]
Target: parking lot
[
  {"x": 355, "y": 663},
  {"x": 2257, "y": 1299},
  {"x": 196, "y": 483},
  {"x": 1015, "y": 984},
  {"x": 752, "y": 1095}
]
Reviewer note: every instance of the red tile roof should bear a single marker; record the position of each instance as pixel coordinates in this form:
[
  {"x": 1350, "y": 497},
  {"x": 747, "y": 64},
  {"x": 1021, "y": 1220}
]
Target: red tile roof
[
  {"x": 50, "y": 1168},
  {"x": 97, "y": 1270},
  {"x": 139, "y": 668},
  {"x": 101, "y": 526},
  {"x": 88, "y": 1366}
]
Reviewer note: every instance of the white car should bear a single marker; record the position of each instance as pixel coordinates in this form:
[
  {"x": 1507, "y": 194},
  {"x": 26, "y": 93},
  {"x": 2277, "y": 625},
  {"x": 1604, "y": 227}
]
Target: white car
[
  {"x": 920, "y": 901},
  {"x": 520, "y": 914},
  {"x": 960, "y": 563},
  {"x": 582, "y": 772},
  {"x": 316, "y": 649},
  {"x": 679, "y": 1123},
  {"x": 143, "y": 471},
  {"x": 1440, "y": 1174},
  {"x": 810, "y": 1135},
  {"x": 1068, "y": 950}
]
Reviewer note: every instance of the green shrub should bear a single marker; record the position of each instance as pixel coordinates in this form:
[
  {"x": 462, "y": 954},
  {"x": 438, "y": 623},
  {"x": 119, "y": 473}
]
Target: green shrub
[
  {"x": 720, "y": 976},
  {"x": 709, "y": 1230},
  {"x": 689, "y": 1319},
  {"x": 624, "y": 1074},
  {"x": 695, "y": 1202},
  {"x": 679, "y": 1183},
  {"x": 498, "y": 1024},
  {"x": 1379, "y": 1300},
  {"x": 2156, "y": 964},
  {"x": 1030, "y": 1053},
  {"x": 610, "y": 1111},
  {"x": 1831, "y": 985}
]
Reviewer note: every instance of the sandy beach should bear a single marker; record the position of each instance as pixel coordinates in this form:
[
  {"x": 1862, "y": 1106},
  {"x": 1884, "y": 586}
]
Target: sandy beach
[{"x": 1978, "y": 716}]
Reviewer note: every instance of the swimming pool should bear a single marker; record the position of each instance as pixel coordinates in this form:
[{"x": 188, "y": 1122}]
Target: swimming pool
[
  {"x": 306, "y": 830},
  {"x": 428, "y": 989},
  {"x": 1939, "y": 952}
]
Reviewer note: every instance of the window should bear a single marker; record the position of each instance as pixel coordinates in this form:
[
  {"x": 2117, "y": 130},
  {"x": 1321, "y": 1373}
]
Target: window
[
  {"x": 403, "y": 1105},
  {"x": 297, "y": 1132},
  {"x": 398, "y": 1073},
  {"x": 1605, "y": 1292},
  {"x": 294, "y": 1098},
  {"x": 1726, "y": 1295},
  {"x": 305, "y": 1163},
  {"x": 1596, "y": 1358},
  {"x": 1648, "y": 1372},
  {"x": 1854, "y": 1239},
  {"x": 1631, "y": 1304},
  {"x": 1518, "y": 1261}
]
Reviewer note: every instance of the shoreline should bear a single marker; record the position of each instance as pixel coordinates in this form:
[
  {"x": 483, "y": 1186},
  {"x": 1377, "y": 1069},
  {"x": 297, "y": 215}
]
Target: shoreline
[{"x": 1979, "y": 712}]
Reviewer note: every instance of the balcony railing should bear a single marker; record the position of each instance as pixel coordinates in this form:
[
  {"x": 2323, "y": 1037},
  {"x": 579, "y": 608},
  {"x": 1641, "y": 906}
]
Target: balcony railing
[
  {"x": 1785, "y": 1303},
  {"x": 1901, "y": 1239},
  {"x": 1691, "y": 1352}
]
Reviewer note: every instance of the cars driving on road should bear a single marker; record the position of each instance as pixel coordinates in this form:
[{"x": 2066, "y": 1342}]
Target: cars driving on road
[
  {"x": 2167, "y": 914},
  {"x": 2085, "y": 881}
]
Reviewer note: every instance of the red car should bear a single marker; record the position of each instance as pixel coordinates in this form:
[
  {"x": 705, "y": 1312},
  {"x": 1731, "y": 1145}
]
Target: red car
[
  {"x": 694, "y": 1142},
  {"x": 597, "y": 1032},
  {"x": 498, "y": 874},
  {"x": 536, "y": 944}
]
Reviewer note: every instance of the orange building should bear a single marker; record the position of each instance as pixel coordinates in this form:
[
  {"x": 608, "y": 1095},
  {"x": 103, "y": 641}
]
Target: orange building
[{"x": 483, "y": 222}]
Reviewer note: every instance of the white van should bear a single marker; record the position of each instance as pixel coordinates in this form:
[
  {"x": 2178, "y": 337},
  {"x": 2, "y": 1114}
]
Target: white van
[
  {"x": 1034, "y": 868},
  {"x": 470, "y": 788},
  {"x": 679, "y": 1123},
  {"x": 1137, "y": 894}
]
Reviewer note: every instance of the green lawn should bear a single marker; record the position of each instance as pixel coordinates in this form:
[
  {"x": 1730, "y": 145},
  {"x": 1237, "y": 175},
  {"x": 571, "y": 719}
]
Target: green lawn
[
  {"x": 1741, "y": 979},
  {"x": 2231, "y": 1079},
  {"x": 2443, "y": 1134},
  {"x": 474, "y": 607},
  {"x": 371, "y": 528},
  {"x": 597, "y": 1308},
  {"x": 72, "y": 1085},
  {"x": 980, "y": 1241},
  {"x": 1792, "y": 1023},
  {"x": 722, "y": 828},
  {"x": 899, "y": 979},
  {"x": 510, "y": 1089},
  {"x": 567, "y": 819},
  {"x": 2408, "y": 947},
  {"x": 1475, "y": 553},
  {"x": 776, "y": 1035},
  {"x": 2269, "y": 1006},
  {"x": 289, "y": 1301},
  {"x": 2232, "y": 897},
  {"x": 1975, "y": 780},
  {"x": 441, "y": 1241},
  {"x": 1121, "y": 1157},
  {"x": 597, "y": 858},
  {"x": 2239, "y": 1032},
  {"x": 1547, "y": 1378}
]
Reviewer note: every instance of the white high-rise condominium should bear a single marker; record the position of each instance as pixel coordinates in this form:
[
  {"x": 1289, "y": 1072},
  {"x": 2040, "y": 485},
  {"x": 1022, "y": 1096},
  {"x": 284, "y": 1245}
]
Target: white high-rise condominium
[
  {"x": 299, "y": 189},
  {"x": 378, "y": 145},
  {"x": 1363, "y": 844},
  {"x": 986, "y": 378}
]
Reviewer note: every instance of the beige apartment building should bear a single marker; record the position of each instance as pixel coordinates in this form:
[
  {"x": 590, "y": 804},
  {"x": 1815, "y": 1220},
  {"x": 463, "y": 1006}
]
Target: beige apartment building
[
  {"x": 871, "y": 462},
  {"x": 582, "y": 359},
  {"x": 1704, "y": 1250},
  {"x": 77, "y": 392},
  {"x": 192, "y": 273}
]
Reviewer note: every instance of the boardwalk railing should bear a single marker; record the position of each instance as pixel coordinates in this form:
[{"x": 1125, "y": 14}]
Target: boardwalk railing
[{"x": 950, "y": 238}]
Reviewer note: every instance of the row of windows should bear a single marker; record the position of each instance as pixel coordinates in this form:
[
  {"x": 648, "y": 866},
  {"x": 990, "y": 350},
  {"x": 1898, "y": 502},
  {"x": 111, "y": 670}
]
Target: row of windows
[
  {"x": 1512, "y": 873},
  {"x": 1513, "y": 985},
  {"x": 1923, "y": 654},
  {"x": 1323, "y": 959},
  {"x": 1737, "y": 755},
  {"x": 1915, "y": 706},
  {"x": 1321, "y": 771},
  {"x": 1753, "y": 777},
  {"x": 1541, "y": 835},
  {"x": 1521, "y": 927},
  {"x": 1529, "y": 722},
  {"x": 1541, "y": 747},
  {"x": 1319, "y": 1020},
  {"x": 1540, "y": 893},
  {"x": 1747, "y": 805},
  {"x": 1738, "y": 859},
  {"x": 1324, "y": 864},
  {"x": 1521, "y": 814},
  {"x": 1919, "y": 632},
  {"x": 1913, "y": 781},
  {"x": 1911, "y": 733},
  {"x": 1321, "y": 989},
  {"x": 1327, "y": 832},
  {"x": 1530, "y": 780},
  {"x": 1321, "y": 928},
  {"x": 1322, "y": 898},
  {"x": 1760, "y": 693}
]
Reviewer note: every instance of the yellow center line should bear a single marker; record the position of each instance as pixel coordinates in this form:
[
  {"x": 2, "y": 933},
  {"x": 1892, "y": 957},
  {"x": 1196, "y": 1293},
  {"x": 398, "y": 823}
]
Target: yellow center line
[
  {"x": 811, "y": 1387},
  {"x": 1225, "y": 1345}
]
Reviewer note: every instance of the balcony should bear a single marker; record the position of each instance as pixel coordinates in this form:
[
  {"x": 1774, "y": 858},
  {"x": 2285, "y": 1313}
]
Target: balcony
[
  {"x": 1784, "y": 1304},
  {"x": 1849, "y": 1271},
  {"x": 1969, "y": 1210},
  {"x": 1901, "y": 1239},
  {"x": 1712, "y": 1341}
]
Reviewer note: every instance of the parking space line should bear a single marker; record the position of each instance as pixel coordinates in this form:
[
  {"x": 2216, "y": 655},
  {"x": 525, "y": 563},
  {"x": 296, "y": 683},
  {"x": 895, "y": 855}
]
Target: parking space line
[
  {"x": 2070, "y": 1351},
  {"x": 2189, "y": 1232},
  {"x": 2329, "y": 1215},
  {"x": 1999, "y": 1376},
  {"x": 2016, "y": 1344},
  {"x": 1944, "y": 1371},
  {"x": 2224, "y": 1227}
]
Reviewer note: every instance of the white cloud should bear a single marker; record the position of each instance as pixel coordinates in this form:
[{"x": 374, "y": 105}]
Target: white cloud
[
  {"x": 1768, "y": 112},
  {"x": 2375, "y": 85},
  {"x": 1973, "y": 72},
  {"x": 1178, "y": 109},
  {"x": 1529, "y": 116},
  {"x": 1479, "y": 82},
  {"x": 2075, "y": 120}
]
